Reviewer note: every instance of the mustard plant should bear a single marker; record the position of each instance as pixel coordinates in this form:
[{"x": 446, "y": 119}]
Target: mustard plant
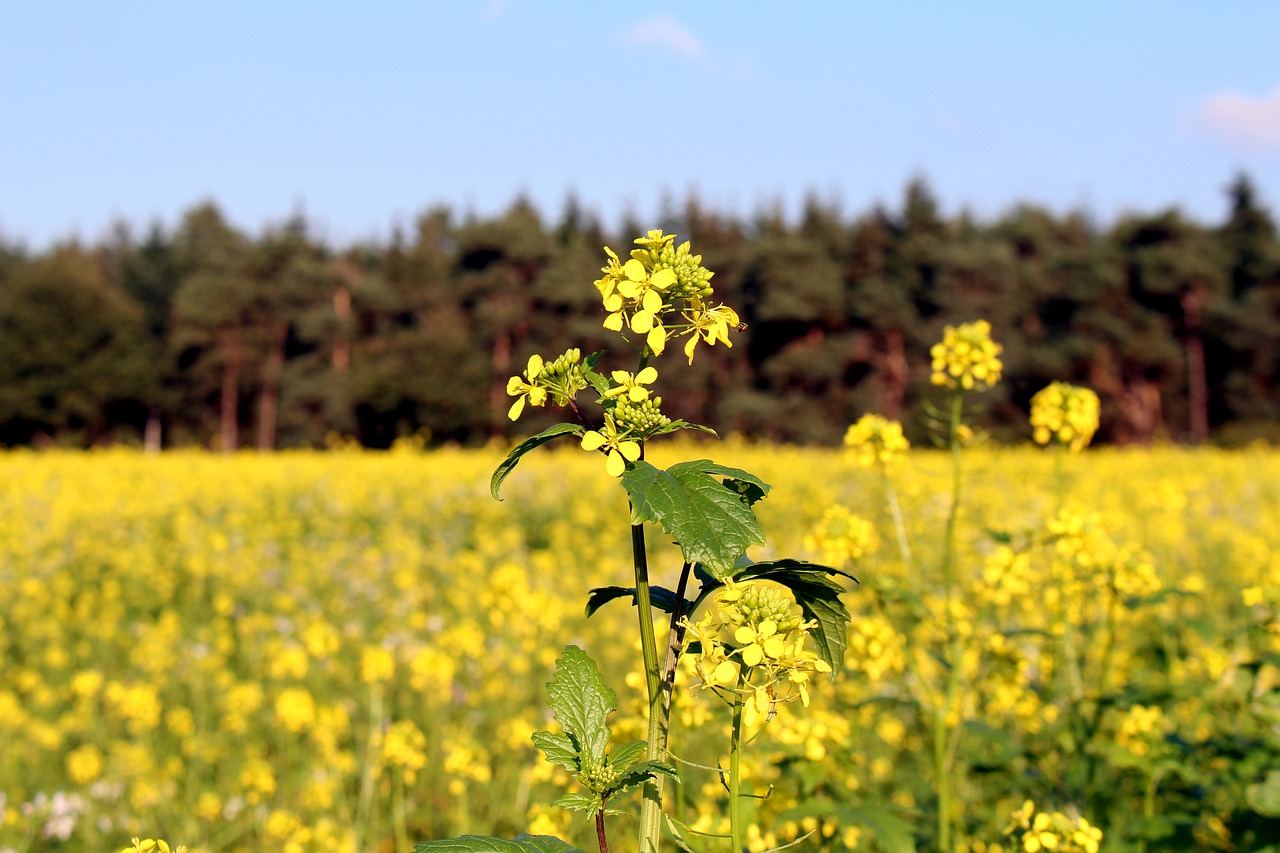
[{"x": 756, "y": 646}]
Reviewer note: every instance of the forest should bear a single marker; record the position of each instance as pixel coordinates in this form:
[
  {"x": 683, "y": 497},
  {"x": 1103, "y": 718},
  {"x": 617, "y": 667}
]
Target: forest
[{"x": 203, "y": 335}]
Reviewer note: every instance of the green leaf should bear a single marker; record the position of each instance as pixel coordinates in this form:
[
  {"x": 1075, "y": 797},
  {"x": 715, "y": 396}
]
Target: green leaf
[
  {"x": 817, "y": 592},
  {"x": 623, "y": 756},
  {"x": 710, "y": 522},
  {"x": 558, "y": 749},
  {"x": 641, "y": 773},
  {"x": 589, "y": 803},
  {"x": 1264, "y": 797},
  {"x": 732, "y": 477},
  {"x": 491, "y": 844},
  {"x": 509, "y": 464},
  {"x": 894, "y": 834},
  {"x": 582, "y": 702},
  {"x": 678, "y": 425},
  {"x": 659, "y": 596},
  {"x": 677, "y": 831}
]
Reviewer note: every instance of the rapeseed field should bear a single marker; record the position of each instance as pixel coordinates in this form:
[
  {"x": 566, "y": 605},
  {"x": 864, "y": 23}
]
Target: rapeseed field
[{"x": 347, "y": 651}]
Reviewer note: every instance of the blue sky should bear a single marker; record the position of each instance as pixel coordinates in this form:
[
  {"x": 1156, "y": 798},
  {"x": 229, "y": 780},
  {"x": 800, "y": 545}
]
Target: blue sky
[{"x": 363, "y": 115}]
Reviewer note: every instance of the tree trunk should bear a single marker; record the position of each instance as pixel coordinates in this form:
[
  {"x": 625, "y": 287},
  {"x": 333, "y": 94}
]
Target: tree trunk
[
  {"x": 1197, "y": 383},
  {"x": 342, "y": 344},
  {"x": 269, "y": 396},
  {"x": 232, "y": 356},
  {"x": 896, "y": 373}
]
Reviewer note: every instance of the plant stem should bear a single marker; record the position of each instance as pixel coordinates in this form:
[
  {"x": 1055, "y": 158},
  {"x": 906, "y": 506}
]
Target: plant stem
[
  {"x": 651, "y": 805},
  {"x": 941, "y": 727},
  {"x": 675, "y": 638},
  {"x": 735, "y": 772},
  {"x": 904, "y": 548},
  {"x": 601, "y": 838}
]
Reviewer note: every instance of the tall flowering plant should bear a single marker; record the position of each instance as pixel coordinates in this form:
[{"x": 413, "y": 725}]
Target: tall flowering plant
[{"x": 759, "y": 632}]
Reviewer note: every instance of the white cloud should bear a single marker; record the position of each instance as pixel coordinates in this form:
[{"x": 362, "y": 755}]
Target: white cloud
[
  {"x": 1243, "y": 121},
  {"x": 666, "y": 32}
]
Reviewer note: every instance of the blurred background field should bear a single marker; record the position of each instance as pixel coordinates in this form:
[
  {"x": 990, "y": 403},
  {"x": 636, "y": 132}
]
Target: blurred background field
[{"x": 347, "y": 651}]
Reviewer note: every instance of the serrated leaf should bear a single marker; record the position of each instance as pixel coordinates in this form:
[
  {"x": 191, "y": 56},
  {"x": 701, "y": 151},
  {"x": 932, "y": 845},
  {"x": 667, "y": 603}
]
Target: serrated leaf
[
  {"x": 894, "y": 834},
  {"x": 659, "y": 596},
  {"x": 706, "y": 466},
  {"x": 709, "y": 521},
  {"x": 817, "y": 592},
  {"x": 678, "y": 425},
  {"x": 558, "y": 749},
  {"x": 641, "y": 773},
  {"x": 491, "y": 844},
  {"x": 677, "y": 831},
  {"x": 513, "y": 458},
  {"x": 589, "y": 803},
  {"x": 582, "y": 702},
  {"x": 623, "y": 756}
]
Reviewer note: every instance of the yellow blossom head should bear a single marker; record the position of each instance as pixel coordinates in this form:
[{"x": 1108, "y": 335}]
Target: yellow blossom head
[
  {"x": 1064, "y": 414},
  {"x": 875, "y": 441},
  {"x": 967, "y": 358}
]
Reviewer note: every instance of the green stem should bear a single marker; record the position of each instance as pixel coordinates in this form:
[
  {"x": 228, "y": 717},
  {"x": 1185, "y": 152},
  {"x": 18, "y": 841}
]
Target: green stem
[
  {"x": 1149, "y": 804},
  {"x": 651, "y": 805},
  {"x": 904, "y": 547},
  {"x": 401, "y": 822},
  {"x": 941, "y": 728},
  {"x": 735, "y": 772}
]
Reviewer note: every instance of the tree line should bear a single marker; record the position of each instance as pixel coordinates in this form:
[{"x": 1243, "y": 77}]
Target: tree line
[{"x": 204, "y": 335}]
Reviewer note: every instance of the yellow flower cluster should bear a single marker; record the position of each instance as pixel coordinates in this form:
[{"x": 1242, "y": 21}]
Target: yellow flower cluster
[
  {"x": 874, "y": 440},
  {"x": 660, "y": 292},
  {"x": 149, "y": 845},
  {"x": 1053, "y": 831},
  {"x": 1066, "y": 414},
  {"x": 841, "y": 538},
  {"x": 222, "y": 647},
  {"x": 559, "y": 381},
  {"x": 752, "y": 642},
  {"x": 967, "y": 357}
]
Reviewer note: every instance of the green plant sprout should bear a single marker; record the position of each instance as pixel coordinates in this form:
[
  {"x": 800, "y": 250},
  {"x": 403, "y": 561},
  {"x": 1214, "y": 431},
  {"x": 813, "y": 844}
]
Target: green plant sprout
[{"x": 753, "y": 649}]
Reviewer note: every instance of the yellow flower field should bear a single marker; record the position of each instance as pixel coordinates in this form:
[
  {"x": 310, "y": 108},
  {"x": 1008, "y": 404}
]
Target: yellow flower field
[{"x": 347, "y": 651}]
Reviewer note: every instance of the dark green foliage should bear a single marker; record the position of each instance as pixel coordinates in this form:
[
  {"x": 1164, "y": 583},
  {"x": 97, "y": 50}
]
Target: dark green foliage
[{"x": 279, "y": 340}]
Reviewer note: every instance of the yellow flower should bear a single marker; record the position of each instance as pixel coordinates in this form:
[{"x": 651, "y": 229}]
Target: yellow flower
[
  {"x": 875, "y": 440},
  {"x": 967, "y": 357},
  {"x": 710, "y": 325},
  {"x": 523, "y": 389},
  {"x": 1065, "y": 414},
  {"x": 618, "y": 449},
  {"x": 632, "y": 385}
]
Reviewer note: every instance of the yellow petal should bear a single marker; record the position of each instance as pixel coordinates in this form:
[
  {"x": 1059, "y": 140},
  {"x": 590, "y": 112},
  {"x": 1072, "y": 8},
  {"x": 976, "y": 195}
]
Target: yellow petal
[
  {"x": 774, "y": 647},
  {"x": 535, "y": 366},
  {"x": 726, "y": 673},
  {"x": 744, "y": 635},
  {"x": 633, "y": 270},
  {"x": 630, "y": 449},
  {"x": 641, "y": 322},
  {"x": 615, "y": 465},
  {"x": 516, "y": 385},
  {"x": 638, "y": 394},
  {"x": 593, "y": 440},
  {"x": 657, "y": 339},
  {"x": 752, "y": 655},
  {"x": 652, "y": 301},
  {"x": 614, "y": 322},
  {"x": 646, "y": 376},
  {"x": 516, "y": 408},
  {"x": 663, "y": 278}
]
